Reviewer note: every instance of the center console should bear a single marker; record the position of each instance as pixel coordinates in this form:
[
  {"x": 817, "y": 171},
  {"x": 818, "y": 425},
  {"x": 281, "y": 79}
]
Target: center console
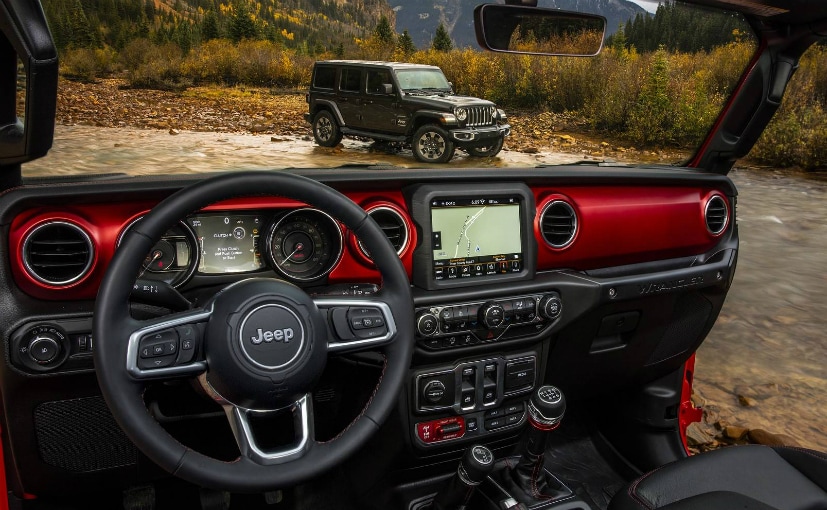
[{"x": 475, "y": 236}]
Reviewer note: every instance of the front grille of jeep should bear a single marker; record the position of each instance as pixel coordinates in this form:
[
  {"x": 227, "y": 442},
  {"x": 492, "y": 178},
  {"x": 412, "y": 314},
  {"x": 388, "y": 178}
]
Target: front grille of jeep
[{"x": 479, "y": 116}]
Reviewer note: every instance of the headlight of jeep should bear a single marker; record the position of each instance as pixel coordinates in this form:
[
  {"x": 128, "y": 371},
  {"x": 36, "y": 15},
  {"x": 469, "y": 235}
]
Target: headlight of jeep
[
  {"x": 493, "y": 111},
  {"x": 461, "y": 114}
]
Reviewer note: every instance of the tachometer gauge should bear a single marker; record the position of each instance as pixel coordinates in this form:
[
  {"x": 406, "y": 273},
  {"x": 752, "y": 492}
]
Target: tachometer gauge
[
  {"x": 305, "y": 244},
  {"x": 173, "y": 258}
]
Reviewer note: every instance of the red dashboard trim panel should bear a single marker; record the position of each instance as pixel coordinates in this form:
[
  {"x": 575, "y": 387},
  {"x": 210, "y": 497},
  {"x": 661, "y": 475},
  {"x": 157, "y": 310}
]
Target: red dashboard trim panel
[{"x": 617, "y": 225}]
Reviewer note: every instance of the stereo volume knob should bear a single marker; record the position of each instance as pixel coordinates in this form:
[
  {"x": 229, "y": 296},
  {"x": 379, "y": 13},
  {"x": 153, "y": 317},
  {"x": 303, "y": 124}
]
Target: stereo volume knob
[
  {"x": 44, "y": 348},
  {"x": 426, "y": 324},
  {"x": 551, "y": 306},
  {"x": 492, "y": 315}
]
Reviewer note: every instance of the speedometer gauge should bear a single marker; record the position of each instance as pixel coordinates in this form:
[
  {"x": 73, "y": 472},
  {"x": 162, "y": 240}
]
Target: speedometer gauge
[{"x": 305, "y": 244}]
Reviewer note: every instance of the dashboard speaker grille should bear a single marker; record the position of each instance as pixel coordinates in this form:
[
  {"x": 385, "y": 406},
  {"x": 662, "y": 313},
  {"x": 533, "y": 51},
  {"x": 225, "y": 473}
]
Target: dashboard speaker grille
[
  {"x": 716, "y": 215},
  {"x": 57, "y": 253},
  {"x": 80, "y": 435},
  {"x": 558, "y": 223},
  {"x": 393, "y": 225}
]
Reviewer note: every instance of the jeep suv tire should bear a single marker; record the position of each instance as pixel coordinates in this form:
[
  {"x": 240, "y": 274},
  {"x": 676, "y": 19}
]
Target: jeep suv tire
[
  {"x": 326, "y": 130},
  {"x": 432, "y": 144},
  {"x": 486, "y": 151}
]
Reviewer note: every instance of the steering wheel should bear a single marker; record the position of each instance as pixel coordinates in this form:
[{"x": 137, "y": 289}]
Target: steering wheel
[{"x": 257, "y": 347}]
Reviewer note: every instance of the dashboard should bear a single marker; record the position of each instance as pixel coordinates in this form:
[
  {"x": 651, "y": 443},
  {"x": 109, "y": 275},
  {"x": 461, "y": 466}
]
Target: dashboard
[
  {"x": 519, "y": 231},
  {"x": 537, "y": 275}
]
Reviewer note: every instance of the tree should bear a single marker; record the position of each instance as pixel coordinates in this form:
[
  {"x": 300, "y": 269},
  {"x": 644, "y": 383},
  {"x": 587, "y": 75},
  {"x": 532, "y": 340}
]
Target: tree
[
  {"x": 442, "y": 40},
  {"x": 209, "y": 27},
  {"x": 405, "y": 43},
  {"x": 242, "y": 25},
  {"x": 383, "y": 32},
  {"x": 619, "y": 40},
  {"x": 149, "y": 9},
  {"x": 339, "y": 51}
]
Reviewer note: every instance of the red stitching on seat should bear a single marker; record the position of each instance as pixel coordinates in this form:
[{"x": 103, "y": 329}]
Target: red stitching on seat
[
  {"x": 632, "y": 490},
  {"x": 812, "y": 453}
]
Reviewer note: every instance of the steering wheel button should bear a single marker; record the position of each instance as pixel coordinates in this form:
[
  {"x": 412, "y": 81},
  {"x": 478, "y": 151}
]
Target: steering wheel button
[
  {"x": 170, "y": 347},
  {"x": 357, "y": 323},
  {"x": 341, "y": 324},
  {"x": 158, "y": 349},
  {"x": 155, "y": 362}
]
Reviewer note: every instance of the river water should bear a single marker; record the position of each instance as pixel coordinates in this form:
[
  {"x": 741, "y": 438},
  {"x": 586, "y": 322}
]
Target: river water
[{"x": 768, "y": 344}]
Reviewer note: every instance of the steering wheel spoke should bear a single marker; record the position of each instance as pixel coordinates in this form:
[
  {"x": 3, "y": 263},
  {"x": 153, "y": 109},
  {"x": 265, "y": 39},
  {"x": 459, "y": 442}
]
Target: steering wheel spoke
[
  {"x": 168, "y": 346},
  {"x": 241, "y": 421},
  {"x": 358, "y": 324}
]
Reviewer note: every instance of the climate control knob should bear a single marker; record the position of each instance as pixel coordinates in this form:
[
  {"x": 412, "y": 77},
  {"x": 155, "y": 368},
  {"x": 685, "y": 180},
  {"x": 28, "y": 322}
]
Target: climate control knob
[
  {"x": 551, "y": 306},
  {"x": 44, "y": 348},
  {"x": 492, "y": 315},
  {"x": 427, "y": 324}
]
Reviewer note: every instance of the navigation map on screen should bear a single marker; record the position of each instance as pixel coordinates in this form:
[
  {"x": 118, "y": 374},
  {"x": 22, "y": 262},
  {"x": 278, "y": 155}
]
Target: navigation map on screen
[{"x": 475, "y": 237}]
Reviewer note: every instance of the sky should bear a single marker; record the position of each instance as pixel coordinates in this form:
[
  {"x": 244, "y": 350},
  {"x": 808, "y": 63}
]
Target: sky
[{"x": 649, "y": 5}]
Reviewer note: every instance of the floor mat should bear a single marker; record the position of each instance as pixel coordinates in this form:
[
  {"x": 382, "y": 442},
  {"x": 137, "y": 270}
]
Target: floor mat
[{"x": 573, "y": 456}]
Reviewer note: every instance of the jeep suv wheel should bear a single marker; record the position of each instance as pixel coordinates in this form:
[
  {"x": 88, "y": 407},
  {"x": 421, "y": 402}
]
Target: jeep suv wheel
[
  {"x": 432, "y": 144},
  {"x": 326, "y": 130},
  {"x": 486, "y": 151}
]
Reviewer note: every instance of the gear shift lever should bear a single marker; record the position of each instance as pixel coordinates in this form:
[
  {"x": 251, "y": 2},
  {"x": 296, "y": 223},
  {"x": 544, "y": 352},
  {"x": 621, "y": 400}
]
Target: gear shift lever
[
  {"x": 527, "y": 481},
  {"x": 545, "y": 412},
  {"x": 474, "y": 467}
]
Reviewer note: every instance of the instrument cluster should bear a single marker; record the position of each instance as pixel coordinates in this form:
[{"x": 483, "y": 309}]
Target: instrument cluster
[{"x": 302, "y": 245}]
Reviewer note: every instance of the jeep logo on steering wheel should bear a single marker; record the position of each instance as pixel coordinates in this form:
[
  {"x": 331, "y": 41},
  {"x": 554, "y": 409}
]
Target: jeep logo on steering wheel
[
  {"x": 276, "y": 335},
  {"x": 272, "y": 336}
]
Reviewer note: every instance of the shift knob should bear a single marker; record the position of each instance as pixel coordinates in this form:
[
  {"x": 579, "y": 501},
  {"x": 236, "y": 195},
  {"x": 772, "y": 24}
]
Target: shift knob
[
  {"x": 546, "y": 408},
  {"x": 476, "y": 464}
]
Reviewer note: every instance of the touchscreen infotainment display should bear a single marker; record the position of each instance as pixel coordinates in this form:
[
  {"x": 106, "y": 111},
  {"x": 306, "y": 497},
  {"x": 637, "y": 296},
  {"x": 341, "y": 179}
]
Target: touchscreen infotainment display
[
  {"x": 228, "y": 243},
  {"x": 474, "y": 237}
]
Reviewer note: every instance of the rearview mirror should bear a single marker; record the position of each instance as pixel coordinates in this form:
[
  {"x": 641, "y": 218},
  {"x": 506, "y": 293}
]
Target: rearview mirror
[{"x": 538, "y": 31}]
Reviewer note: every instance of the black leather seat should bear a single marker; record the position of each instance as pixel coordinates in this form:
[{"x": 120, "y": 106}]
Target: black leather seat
[{"x": 742, "y": 477}]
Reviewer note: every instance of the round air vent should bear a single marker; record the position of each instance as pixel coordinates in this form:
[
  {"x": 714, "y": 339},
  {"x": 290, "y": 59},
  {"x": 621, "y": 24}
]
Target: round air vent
[
  {"x": 393, "y": 225},
  {"x": 558, "y": 223},
  {"x": 716, "y": 215},
  {"x": 57, "y": 253}
]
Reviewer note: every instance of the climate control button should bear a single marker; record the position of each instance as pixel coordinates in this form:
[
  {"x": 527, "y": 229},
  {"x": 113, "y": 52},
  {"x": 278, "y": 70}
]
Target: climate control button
[
  {"x": 492, "y": 315},
  {"x": 551, "y": 306}
]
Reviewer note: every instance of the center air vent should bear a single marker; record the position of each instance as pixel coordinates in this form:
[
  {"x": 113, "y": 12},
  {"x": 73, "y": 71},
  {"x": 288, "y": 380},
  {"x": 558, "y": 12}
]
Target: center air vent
[
  {"x": 716, "y": 215},
  {"x": 558, "y": 223},
  {"x": 57, "y": 253},
  {"x": 393, "y": 225}
]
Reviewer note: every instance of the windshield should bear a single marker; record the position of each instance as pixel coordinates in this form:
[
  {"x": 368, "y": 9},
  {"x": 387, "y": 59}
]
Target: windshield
[
  {"x": 179, "y": 89},
  {"x": 411, "y": 80}
]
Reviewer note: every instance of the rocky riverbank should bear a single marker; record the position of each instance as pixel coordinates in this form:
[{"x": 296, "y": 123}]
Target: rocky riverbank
[{"x": 106, "y": 103}]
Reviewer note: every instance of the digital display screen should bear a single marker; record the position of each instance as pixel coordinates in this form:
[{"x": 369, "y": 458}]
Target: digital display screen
[
  {"x": 228, "y": 243},
  {"x": 473, "y": 237}
]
